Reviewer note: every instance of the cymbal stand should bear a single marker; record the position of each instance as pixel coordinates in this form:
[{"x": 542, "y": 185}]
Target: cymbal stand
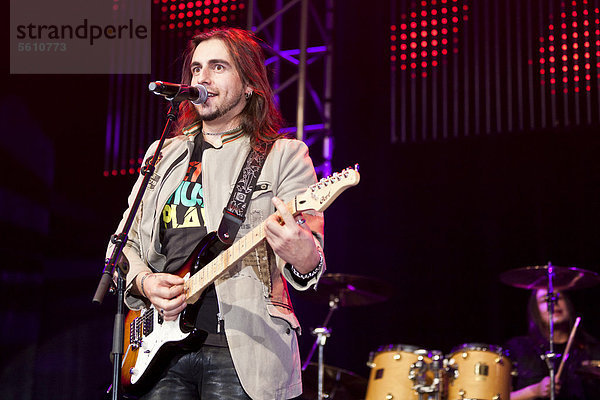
[
  {"x": 550, "y": 356},
  {"x": 322, "y": 333}
]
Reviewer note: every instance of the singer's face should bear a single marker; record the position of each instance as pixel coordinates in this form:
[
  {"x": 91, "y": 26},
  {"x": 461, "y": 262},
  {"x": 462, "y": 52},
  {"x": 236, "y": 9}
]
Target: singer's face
[
  {"x": 213, "y": 67},
  {"x": 561, "y": 314}
]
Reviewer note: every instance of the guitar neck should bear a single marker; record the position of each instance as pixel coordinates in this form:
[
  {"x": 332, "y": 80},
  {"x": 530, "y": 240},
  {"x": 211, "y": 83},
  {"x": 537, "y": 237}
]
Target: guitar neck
[{"x": 228, "y": 258}]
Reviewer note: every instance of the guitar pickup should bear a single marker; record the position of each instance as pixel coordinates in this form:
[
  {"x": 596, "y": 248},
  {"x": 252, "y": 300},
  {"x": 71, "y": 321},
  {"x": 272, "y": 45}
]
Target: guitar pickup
[
  {"x": 149, "y": 322},
  {"x": 140, "y": 327}
]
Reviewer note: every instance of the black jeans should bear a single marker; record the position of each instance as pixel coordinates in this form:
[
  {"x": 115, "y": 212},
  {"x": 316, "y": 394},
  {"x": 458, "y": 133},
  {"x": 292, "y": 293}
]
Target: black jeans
[{"x": 205, "y": 374}]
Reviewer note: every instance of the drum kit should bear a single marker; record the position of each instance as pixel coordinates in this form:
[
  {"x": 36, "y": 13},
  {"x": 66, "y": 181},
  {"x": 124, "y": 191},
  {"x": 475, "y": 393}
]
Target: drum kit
[{"x": 471, "y": 371}]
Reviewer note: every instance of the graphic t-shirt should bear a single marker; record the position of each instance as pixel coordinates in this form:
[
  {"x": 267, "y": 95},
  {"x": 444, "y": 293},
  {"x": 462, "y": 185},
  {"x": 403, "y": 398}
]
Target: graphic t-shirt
[
  {"x": 183, "y": 226},
  {"x": 182, "y": 219}
]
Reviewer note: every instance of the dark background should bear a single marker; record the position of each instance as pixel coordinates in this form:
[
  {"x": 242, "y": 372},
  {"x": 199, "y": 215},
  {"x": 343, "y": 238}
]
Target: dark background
[{"x": 438, "y": 220}]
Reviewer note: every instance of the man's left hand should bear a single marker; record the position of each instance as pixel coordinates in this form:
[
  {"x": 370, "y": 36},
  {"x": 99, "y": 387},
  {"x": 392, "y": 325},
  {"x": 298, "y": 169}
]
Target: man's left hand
[{"x": 291, "y": 238}]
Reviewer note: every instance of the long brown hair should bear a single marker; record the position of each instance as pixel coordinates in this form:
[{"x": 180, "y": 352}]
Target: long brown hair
[
  {"x": 261, "y": 118},
  {"x": 538, "y": 330}
]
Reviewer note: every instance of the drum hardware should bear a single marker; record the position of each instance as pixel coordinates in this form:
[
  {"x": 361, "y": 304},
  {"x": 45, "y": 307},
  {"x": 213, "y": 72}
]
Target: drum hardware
[
  {"x": 340, "y": 290},
  {"x": 322, "y": 333},
  {"x": 452, "y": 371},
  {"x": 349, "y": 290},
  {"x": 538, "y": 277},
  {"x": 417, "y": 373},
  {"x": 338, "y": 384},
  {"x": 433, "y": 391}
]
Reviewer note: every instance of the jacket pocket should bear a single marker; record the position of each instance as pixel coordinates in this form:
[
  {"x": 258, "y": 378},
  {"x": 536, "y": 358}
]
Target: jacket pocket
[{"x": 284, "y": 312}]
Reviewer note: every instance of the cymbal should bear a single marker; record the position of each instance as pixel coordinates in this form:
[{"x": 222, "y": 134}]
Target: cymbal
[
  {"x": 350, "y": 290},
  {"x": 536, "y": 277},
  {"x": 338, "y": 383},
  {"x": 590, "y": 368}
]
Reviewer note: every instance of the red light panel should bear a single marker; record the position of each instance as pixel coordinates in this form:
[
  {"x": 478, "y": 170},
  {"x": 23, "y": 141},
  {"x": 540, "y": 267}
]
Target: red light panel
[
  {"x": 186, "y": 13},
  {"x": 432, "y": 31},
  {"x": 574, "y": 35}
]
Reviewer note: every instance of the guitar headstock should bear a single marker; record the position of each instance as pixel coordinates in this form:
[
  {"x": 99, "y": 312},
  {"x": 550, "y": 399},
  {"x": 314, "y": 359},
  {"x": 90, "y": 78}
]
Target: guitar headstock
[{"x": 320, "y": 195}]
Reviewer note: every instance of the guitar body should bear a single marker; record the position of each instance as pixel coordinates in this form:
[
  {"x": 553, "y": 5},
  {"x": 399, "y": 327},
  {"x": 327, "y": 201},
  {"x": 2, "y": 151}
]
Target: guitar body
[{"x": 150, "y": 342}]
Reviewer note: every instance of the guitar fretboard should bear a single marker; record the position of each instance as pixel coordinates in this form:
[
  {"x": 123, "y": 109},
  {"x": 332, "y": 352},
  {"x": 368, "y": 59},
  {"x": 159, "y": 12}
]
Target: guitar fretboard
[{"x": 217, "y": 267}]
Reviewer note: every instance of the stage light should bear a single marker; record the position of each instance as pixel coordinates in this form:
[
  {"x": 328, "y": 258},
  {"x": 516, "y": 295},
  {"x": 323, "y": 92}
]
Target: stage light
[
  {"x": 186, "y": 13},
  {"x": 574, "y": 26},
  {"x": 423, "y": 23}
]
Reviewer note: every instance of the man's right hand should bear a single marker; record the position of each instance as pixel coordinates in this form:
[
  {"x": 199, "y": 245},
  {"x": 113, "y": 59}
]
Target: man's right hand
[
  {"x": 540, "y": 389},
  {"x": 165, "y": 291},
  {"x": 543, "y": 387}
]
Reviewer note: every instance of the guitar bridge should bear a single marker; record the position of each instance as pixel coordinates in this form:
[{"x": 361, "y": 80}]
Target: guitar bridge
[{"x": 140, "y": 327}]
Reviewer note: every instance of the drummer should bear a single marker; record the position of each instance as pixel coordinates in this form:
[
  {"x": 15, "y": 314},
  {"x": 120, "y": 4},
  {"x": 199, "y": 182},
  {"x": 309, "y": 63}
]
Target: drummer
[{"x": 532, "y": 380}]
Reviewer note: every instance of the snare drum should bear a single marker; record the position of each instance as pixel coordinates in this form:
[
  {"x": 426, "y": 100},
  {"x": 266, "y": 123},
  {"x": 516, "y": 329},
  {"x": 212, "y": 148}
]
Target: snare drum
[
  {"x": 391, "y": 369},
  {"x": 479, "y": 371}
]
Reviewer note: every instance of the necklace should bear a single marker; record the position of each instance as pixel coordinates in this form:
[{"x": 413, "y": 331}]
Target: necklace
[{"x": 234, "y": 130}]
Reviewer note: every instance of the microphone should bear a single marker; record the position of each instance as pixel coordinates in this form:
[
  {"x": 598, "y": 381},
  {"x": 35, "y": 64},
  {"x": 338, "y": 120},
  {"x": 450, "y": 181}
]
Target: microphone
[{"x": 173, "y": 91}]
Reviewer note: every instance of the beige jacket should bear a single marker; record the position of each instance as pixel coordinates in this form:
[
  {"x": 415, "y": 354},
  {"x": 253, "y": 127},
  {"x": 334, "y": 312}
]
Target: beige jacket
[{"x": 260, "y": 324}]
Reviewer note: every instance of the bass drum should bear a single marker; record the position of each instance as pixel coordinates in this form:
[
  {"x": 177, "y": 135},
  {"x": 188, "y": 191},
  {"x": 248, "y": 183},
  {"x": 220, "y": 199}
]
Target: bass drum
[
  {"x": 391, "y": 368},
  {"x": 479, "y": 371}
]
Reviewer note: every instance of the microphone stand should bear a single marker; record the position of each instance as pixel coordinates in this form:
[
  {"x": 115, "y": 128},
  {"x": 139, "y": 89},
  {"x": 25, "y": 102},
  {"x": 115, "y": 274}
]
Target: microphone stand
[
  {"x": 550, "y": 356},
  {"x": 115, "y": 260}
]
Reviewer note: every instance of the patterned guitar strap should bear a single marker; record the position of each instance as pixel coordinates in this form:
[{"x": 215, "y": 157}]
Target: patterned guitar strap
[{"x": 235, "y": 212}]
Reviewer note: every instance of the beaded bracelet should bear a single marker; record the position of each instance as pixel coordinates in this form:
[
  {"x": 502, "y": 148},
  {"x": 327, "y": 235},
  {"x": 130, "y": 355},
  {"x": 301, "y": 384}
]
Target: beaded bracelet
[
  {"x": 310, "y": 274},
  {"x": 142, "y": 283}
]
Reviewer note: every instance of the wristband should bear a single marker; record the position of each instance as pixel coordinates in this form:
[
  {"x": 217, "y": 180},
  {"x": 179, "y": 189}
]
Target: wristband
[
  {"x": 310, "y": 274},
  {"x": 142, "y": 283}
]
